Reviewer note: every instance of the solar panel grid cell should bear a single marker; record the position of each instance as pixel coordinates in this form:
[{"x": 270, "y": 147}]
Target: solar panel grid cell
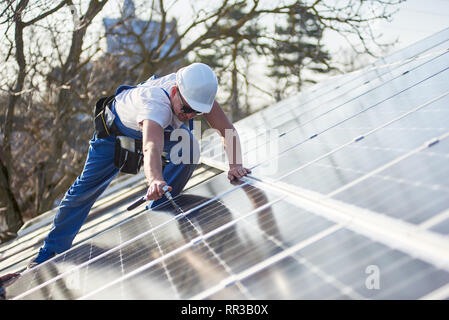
[{"x": 441, "y": 227}]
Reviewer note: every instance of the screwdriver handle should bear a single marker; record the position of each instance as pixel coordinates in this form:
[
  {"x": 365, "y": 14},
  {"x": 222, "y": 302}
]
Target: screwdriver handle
[{"x": 137, "y": 203}]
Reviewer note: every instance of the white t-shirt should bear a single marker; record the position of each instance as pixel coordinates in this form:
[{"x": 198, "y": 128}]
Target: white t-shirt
[{"x": 147, "y": 102}]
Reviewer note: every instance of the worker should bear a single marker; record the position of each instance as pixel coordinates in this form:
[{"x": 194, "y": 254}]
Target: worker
[{"x": 135, "y": 126}]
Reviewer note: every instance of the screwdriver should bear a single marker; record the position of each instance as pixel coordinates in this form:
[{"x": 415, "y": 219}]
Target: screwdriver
[
  {"x": 170, "y": 198},
  {"x": 167, "y": 195}
]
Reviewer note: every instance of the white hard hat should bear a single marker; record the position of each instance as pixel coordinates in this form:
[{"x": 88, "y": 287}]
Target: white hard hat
[{"x": 198, "y": 86}]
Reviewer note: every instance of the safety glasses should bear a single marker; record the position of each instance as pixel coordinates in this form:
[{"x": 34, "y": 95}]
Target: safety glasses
[{"x": 184, "y": 108}]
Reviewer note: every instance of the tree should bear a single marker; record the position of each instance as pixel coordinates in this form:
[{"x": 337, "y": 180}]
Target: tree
[
  {"x": 288, "y": 36},
  {"x": 296, "y": 46},
  {"x": 55, "y": 68},
  {"x": 37, "y": 142}
]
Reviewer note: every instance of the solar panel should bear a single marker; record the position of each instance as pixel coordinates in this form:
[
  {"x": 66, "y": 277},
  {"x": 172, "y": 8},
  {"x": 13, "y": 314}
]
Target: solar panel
[
  {"x": 342, "y": 106},
  {"x": 107, "y": 212},
  {"x": 414, "y": 189},
  {"x": 356, "y": 209}
]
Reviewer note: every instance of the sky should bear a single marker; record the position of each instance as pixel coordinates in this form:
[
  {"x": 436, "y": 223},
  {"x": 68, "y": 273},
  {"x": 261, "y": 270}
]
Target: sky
[{"x": 415, "y": 20}]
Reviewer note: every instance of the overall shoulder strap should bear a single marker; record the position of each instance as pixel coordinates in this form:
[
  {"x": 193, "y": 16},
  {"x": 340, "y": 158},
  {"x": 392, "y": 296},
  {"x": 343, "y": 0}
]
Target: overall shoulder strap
[{"x": 123, "y": 88}]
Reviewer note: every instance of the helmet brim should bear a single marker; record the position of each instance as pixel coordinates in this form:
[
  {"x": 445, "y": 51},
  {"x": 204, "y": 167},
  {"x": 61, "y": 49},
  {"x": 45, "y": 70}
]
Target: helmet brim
[{"x": 200, "y": 107}]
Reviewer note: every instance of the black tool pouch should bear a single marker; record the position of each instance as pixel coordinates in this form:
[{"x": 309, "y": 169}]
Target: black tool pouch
[
  {"x": 104, "y": 117},
  {"x": 128, "y": 156}
]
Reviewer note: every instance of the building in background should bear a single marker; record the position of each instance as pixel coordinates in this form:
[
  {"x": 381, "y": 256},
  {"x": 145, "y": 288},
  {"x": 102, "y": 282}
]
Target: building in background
[{"x": 133, "y": 39}]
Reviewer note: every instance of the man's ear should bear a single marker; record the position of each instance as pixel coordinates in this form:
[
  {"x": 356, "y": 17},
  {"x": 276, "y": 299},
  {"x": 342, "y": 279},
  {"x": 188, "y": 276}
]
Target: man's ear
[{"x": 173, "y": 91}]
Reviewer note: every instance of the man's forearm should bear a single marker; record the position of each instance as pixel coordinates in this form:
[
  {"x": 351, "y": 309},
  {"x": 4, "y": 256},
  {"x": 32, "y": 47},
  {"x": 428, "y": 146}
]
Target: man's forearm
[
  {"x": 231, "y": 144},
  {"x": 152, "y": 163},
  {"x": 218, "y": 120}
]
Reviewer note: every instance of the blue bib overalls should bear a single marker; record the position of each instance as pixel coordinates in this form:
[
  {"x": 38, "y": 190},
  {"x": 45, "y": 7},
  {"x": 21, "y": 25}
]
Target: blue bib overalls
[{"x": 98, "y": 172}]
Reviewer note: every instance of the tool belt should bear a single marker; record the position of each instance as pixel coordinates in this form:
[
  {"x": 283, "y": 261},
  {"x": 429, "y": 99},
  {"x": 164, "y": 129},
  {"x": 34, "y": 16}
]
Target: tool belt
[
  {"x": 104, "y": 118},
  {"x": 128, "y": 154}
]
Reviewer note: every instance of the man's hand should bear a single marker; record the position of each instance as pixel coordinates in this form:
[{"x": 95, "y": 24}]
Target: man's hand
[
  {"x": 237, "y": 171},
  {"x": 155, "y": 191}
]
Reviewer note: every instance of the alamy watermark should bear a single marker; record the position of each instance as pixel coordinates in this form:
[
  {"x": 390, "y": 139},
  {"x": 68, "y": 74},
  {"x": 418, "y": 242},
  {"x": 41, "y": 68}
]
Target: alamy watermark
[{"x": 372, "y": 282}]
